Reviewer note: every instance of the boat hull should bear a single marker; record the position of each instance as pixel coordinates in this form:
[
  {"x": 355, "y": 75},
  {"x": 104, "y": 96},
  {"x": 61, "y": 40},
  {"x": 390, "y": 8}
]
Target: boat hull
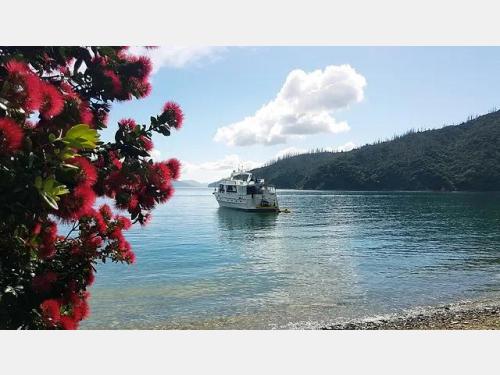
[{"x": 248, "y": 203}]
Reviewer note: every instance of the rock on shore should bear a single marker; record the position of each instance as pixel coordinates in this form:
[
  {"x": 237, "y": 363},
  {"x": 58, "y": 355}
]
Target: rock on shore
[{"x": 468, "y": 315}]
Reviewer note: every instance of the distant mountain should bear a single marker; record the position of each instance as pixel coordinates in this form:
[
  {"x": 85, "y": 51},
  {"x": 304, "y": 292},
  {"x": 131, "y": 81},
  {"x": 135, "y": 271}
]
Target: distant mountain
[
  {"x": 459, "y": 157},
  {"x": 214, "y": 184},
  {"x": 189, "y": 183}
]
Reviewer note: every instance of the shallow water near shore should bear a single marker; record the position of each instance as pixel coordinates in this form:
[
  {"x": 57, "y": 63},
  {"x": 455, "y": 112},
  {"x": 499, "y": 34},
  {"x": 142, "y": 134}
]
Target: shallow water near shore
[{"x": 337, "y": 256}]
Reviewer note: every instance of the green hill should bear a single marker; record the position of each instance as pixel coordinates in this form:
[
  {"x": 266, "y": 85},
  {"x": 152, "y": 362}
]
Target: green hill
[{"x": 458, "y": 157}]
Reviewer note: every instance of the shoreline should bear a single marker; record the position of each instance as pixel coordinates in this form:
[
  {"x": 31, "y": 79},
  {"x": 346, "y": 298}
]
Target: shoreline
[{"x": 483, "y": 315}]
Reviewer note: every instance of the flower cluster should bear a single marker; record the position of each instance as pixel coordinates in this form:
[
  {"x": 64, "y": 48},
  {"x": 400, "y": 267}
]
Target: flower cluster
[{"x": 53, "y": 103}]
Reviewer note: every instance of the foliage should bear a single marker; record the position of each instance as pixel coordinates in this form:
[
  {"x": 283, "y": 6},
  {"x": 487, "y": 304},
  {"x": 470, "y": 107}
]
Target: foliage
[
  {"x": 54, "y": 101},
  {"x": 461, "y": 157}
]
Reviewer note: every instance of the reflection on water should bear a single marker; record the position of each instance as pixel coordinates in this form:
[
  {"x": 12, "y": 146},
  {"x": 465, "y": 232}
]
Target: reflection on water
[
  {"x": 231, "y": 219},
  {"x": 336, "y": 256}
]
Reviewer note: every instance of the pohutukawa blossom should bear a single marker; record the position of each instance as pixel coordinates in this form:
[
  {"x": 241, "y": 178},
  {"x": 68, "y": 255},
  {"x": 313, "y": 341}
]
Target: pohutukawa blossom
[
  {"x": 141, "y": 88},
  {"x": 68, "y": 91},
  {"x": 86, "y": 116},
  {"x": 127, "y": 123},
  {"x": 77, "y": 203},
  {"x": 28, "y": 95},
  {"x": 56, "y": 167},
  {"x": 11, "y": 136},
  {"x": 51, "y": 311},
  {"x": 52, "y": 101},
  {"x": 146, "y": 142},
  {"x": 115, "y": 81},
  {"x": 106, "y": 212},
  {"x": 124, "y": 222},
  {"x": 145, "y": 67},
  {"x": 87, "y": 172},
  {"x": 174, "y": 166},
  {"x": 176, "y": 112}
]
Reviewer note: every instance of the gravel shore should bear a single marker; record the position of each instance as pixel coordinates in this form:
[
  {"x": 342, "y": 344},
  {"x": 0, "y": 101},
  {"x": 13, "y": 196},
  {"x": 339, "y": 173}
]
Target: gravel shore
[{"x": 466, "y": 315}]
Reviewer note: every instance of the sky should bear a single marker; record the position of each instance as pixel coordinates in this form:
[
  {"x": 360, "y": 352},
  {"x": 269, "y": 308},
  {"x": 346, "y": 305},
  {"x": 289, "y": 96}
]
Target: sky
[{"x": 245, "y": 106}]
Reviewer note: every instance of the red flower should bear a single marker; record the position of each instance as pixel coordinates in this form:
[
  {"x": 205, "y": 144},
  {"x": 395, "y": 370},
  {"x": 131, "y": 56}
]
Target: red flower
[
  {"x": 17, "y": 67},
  {"x": 29, "y": 97},
  {"x": 88, "y": 173},
  {"x": 130, "y": 257},
  {"x": 160, "y": 174},
  {"x": 115, "y": 81},
  {"x": 176, "y": 113},
  {"x": 146, "y": 142},
  {"x": 51, "y": 311},
  {"x": 145, "y": 67},
  {"x": 124, "y": 222},
  {"x": 11, "y": 136},
  {"x": 166, "y": 193},
  {"x": 100, "y": 223},
  {"x": 47, "y": 248},
  {"x": 142, "y": 88},
  {"x": 68, "y": 91},
  {"x": 86, "y": 115},
  {"x": 127, "y": 123},
  {"x": 90, "y": 278},
  {"x": 106, "y": 212},
  {"x": 133, "y": 203},
  {"x": 68, "y": 322},
  {"x": 175, "y": 168},
  {"x": 52, "y": 100},
  {"x": 94, "y": 242},
  {"x": 43, "y": 283},
  {"x": 80, "y": 309},
  {"x": 76, "y": 204},
  {"x": 37, "y": 228}
]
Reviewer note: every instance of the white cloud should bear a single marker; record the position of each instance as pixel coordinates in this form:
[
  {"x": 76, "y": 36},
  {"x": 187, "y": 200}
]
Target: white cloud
[
  {"x": 213, "y": 170},
  {"x": 347, "y": 147},
  {"x": 342, "y": 148},
  {"x": 304, "y": 105},
  {"x": 176, "y": 56},
  {"x": 155, "y": 154},
  {"x": 290, "y": 151},
  {"x": 296, "y": 150}
]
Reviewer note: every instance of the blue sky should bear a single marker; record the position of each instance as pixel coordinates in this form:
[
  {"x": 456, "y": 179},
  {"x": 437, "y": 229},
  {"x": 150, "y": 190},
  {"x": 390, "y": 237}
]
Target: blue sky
[{"x": 383, "y": 91}]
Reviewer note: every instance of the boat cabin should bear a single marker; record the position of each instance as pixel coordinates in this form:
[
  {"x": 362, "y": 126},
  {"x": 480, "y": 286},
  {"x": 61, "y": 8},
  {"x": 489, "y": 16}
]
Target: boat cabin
[{"x": 244, "y": 184}]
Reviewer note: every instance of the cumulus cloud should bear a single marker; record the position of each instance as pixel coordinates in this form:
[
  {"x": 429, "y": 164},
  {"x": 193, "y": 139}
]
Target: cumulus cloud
[
  {"x": 177, "y": 56},
  {"x": 290, "y": 151},
  {"x": 304, "y": 105},
  {"x": 155, "y": 154},
  {"x": 347, "y": 147},
  {"x": 296, "y": 150},
  {"x": 213, "y": 170}
]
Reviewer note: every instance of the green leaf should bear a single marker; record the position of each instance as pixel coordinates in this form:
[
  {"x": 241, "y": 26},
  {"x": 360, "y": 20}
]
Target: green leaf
[
  {"x": 81, "y": 136},
  {"x": 67, "y": 153},
  {"x": 69, "y": 166},
  {"x": 38, "y": 182},
  {"x": 50, "y": 190},
  {"x": 50, "y": 201}
]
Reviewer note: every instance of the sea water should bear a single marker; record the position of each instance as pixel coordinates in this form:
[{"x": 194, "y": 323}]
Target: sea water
[{"x": 336, "y": 256}]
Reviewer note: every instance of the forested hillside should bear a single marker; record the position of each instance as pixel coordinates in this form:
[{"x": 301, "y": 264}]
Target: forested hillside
[{"x": 459, "y": 157}]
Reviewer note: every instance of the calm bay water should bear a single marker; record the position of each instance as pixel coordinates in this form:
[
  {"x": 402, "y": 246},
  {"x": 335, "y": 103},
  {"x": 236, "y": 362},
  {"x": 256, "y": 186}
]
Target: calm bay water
[{"x": 336, "y": 256}]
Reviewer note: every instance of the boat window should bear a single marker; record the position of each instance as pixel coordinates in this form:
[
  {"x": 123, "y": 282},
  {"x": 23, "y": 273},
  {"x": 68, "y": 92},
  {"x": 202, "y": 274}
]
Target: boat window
[
  {"x": 231, "y": 188},
  {"x": 241, "y": 177},
  {"x": 251, "y": 189},
  {"x": 221, "y": 188}
]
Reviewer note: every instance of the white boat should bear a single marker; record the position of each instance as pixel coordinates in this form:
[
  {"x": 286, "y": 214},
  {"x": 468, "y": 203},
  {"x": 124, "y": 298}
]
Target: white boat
[{"x": 244, "y": 192}]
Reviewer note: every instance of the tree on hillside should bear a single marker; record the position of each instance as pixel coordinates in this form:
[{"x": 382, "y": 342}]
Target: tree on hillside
[{"x": 54, "y": 101}]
